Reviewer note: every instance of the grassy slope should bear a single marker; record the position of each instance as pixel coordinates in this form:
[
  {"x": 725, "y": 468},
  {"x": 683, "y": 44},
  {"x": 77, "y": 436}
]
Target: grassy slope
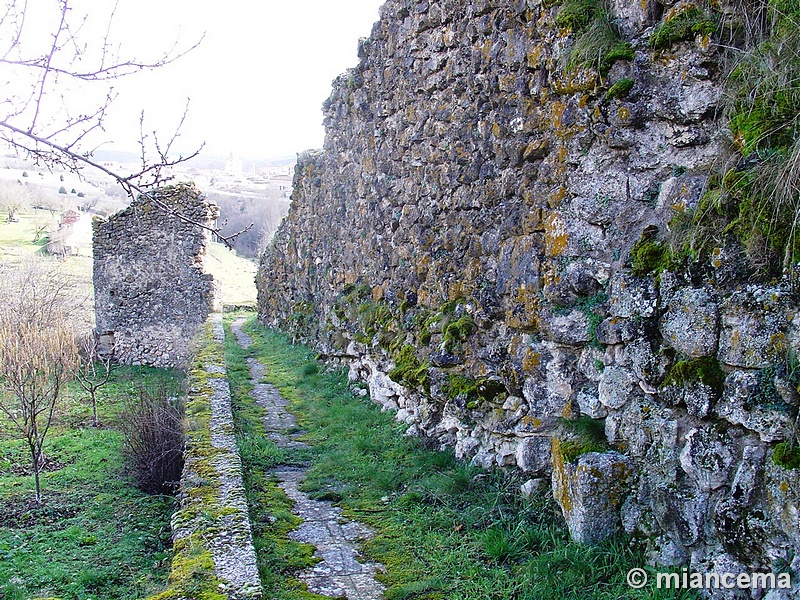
[
  {"x": 95, "y": 536},
  {"x": 236, "y": 275},
  {"x": 445, "y": 530}
]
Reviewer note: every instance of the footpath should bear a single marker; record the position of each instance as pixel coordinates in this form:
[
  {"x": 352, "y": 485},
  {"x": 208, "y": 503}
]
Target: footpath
[{"x": 339, "y": 573}]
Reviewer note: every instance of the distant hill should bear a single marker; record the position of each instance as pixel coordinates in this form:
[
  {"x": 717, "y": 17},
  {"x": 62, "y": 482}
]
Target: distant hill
[{"x": 203, "y": 161}]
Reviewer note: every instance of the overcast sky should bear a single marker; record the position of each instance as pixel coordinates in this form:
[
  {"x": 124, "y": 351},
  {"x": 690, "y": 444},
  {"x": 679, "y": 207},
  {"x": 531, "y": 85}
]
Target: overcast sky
[{"x": 257, "y": 81}]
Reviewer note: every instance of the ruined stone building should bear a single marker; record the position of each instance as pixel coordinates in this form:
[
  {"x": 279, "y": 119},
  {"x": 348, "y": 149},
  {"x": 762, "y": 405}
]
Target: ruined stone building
[{"x": 151, "y": 293}]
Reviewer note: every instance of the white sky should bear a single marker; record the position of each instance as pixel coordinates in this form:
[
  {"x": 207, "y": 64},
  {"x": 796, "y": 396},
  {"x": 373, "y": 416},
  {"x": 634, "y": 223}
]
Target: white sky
[{"x": 255, "y": 84}]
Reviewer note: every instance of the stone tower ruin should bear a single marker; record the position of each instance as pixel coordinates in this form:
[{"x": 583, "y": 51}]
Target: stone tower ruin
[{"x": 151, "y": 292}]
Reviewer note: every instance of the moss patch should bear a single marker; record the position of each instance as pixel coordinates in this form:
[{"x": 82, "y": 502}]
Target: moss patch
[
  {"x": 682, "y": 26},
  {"x": 409, "y": 371},
  {"x": 705, "y": 370},
  {"x": 620, "y": 89},
  {"x": 786, "y": 455}
]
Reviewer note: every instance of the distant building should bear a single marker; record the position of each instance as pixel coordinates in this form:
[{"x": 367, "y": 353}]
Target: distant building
[
  {"x": 234, "y": 166},
  {"x": 69, "y": 217},
  {"x": 73, "y": 236},
  {"x": 281, "y": 183}
]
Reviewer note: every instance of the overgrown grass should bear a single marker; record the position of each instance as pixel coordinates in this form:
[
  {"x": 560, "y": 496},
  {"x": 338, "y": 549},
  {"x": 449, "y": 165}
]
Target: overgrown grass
[
  {"x": 597, "y": 43},
  {"x": 756, "y": 202},
  {"x": 94, "y": 535},
  {"x": 445, "y": 530}
]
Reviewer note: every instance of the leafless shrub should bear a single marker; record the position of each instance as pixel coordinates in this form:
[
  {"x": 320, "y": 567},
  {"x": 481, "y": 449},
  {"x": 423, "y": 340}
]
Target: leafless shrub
[
  {"x": 95, "y": 370},
  {"x": 154, "y": 439}
]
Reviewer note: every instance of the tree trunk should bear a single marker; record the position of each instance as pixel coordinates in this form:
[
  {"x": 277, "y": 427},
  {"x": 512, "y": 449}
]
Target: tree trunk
[{"x": 35, "y": 465}]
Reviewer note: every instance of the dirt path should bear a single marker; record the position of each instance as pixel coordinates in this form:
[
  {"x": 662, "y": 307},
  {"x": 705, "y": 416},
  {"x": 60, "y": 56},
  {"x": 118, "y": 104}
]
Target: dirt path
[{"x": 339, "y": 574}]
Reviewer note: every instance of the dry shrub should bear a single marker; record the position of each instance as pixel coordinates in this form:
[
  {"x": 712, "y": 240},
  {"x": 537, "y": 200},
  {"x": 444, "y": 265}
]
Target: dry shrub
[{"x": 153, "y": 428}]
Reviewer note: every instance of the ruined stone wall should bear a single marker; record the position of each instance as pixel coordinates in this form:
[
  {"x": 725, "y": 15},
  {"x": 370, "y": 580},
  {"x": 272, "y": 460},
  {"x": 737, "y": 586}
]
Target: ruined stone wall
[
  {"x": 463, "y": 242},
  {"x": 151, "y": 293}
]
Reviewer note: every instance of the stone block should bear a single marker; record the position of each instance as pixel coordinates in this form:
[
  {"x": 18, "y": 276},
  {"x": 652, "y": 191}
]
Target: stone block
[
  {"x": 632, "y": 296},
  {"x": 591, "y": 491},
  {"x": 691, "y": 323}
]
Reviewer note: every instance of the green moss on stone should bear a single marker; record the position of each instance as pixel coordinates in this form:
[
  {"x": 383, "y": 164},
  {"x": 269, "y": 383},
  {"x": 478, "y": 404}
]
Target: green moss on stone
[
  {"x": 649, "y": 257},
  {"x": 473, "y": 391},
  {"x": 620, "y": 88},
  {"x": 682, "y": 26},
  {"x": 409, "y": 371},
  {"x": 459, "y": 385},
  {"x": 706, "y": 370},
  {"x": 192, "y": 574},
  {"x": 786, "y": 455},
  {"x": 458, "y": 331}
]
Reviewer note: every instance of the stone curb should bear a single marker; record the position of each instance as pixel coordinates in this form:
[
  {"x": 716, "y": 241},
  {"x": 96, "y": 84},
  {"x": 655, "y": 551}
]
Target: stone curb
[{"x": 212, "y": 537}]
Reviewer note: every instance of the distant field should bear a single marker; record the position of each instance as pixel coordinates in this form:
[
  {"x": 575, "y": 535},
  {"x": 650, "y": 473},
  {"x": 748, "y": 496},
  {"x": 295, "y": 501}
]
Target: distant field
[{"x": 236, "y": 275}]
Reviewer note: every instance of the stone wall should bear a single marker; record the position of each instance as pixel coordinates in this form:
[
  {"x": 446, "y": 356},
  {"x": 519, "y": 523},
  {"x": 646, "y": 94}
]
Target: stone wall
[
  {"x": 463, "y": 242},
  {"x": 151, "y": 293}
]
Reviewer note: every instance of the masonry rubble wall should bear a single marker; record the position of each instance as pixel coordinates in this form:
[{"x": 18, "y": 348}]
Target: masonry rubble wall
[
  {"x": 463, "y": 242},
  {"x": 151, "y": 292}
]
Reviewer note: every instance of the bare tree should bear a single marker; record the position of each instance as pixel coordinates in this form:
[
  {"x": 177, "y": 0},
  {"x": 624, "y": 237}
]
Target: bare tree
[
  {"x": 37, "y": 350},
  {"x": 13, "y": 198},
  {"x": 94, "y": 372},
  {"x": 39, "y": 291},
  {"x": 39, "y": 118},
  {"x": 35, "y": 363}
]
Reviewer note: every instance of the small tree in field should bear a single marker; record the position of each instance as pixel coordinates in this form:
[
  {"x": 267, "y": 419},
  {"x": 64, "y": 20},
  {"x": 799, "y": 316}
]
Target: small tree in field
[
  {"x": 38, "y": 354},
  {"x": 35, "y": 363},
  {"x": 94, "y": 371}
]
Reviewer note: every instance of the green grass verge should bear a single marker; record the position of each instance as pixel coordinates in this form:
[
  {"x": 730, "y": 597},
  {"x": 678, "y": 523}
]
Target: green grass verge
[
  {"x": 95, "y": 536},
  {"x": 444, "y": 529}
]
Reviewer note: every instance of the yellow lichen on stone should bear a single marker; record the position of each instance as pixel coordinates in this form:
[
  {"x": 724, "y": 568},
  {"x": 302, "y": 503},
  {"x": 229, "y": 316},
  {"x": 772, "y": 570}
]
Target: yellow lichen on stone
[
  {"x": 556, "y": 197},
  {"x": 534, "y": 57},
  {"x": 555, "y": 236},
  {"x": 560, "y": 476},
  {"x": 530, "y": 361},
  {"x": 522, "y": 314}
]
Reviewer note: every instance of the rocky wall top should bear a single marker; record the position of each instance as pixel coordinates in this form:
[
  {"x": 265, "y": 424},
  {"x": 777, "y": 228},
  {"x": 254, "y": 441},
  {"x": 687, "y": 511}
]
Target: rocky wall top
[
  {"x": 475, "y": 240},
  {"x": 151, "y": 293}
]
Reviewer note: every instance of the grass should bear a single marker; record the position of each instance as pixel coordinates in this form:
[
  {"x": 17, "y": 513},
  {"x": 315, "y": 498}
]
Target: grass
[
  {"x": 16, "y": 239},
  {"x": 757, "y": 202},
  {"x": 597, "y": 43},
  {"x": 444, "y": 529},
  {"x": 95, "y": 536}
]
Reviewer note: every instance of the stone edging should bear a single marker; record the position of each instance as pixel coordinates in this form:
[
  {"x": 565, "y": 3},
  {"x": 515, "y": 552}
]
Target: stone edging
[{"x": 212, "y": 537}]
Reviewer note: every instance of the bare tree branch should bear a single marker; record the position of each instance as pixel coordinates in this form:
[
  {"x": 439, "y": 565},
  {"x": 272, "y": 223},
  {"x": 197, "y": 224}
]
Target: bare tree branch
[{"x": 39, "y": 122}]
